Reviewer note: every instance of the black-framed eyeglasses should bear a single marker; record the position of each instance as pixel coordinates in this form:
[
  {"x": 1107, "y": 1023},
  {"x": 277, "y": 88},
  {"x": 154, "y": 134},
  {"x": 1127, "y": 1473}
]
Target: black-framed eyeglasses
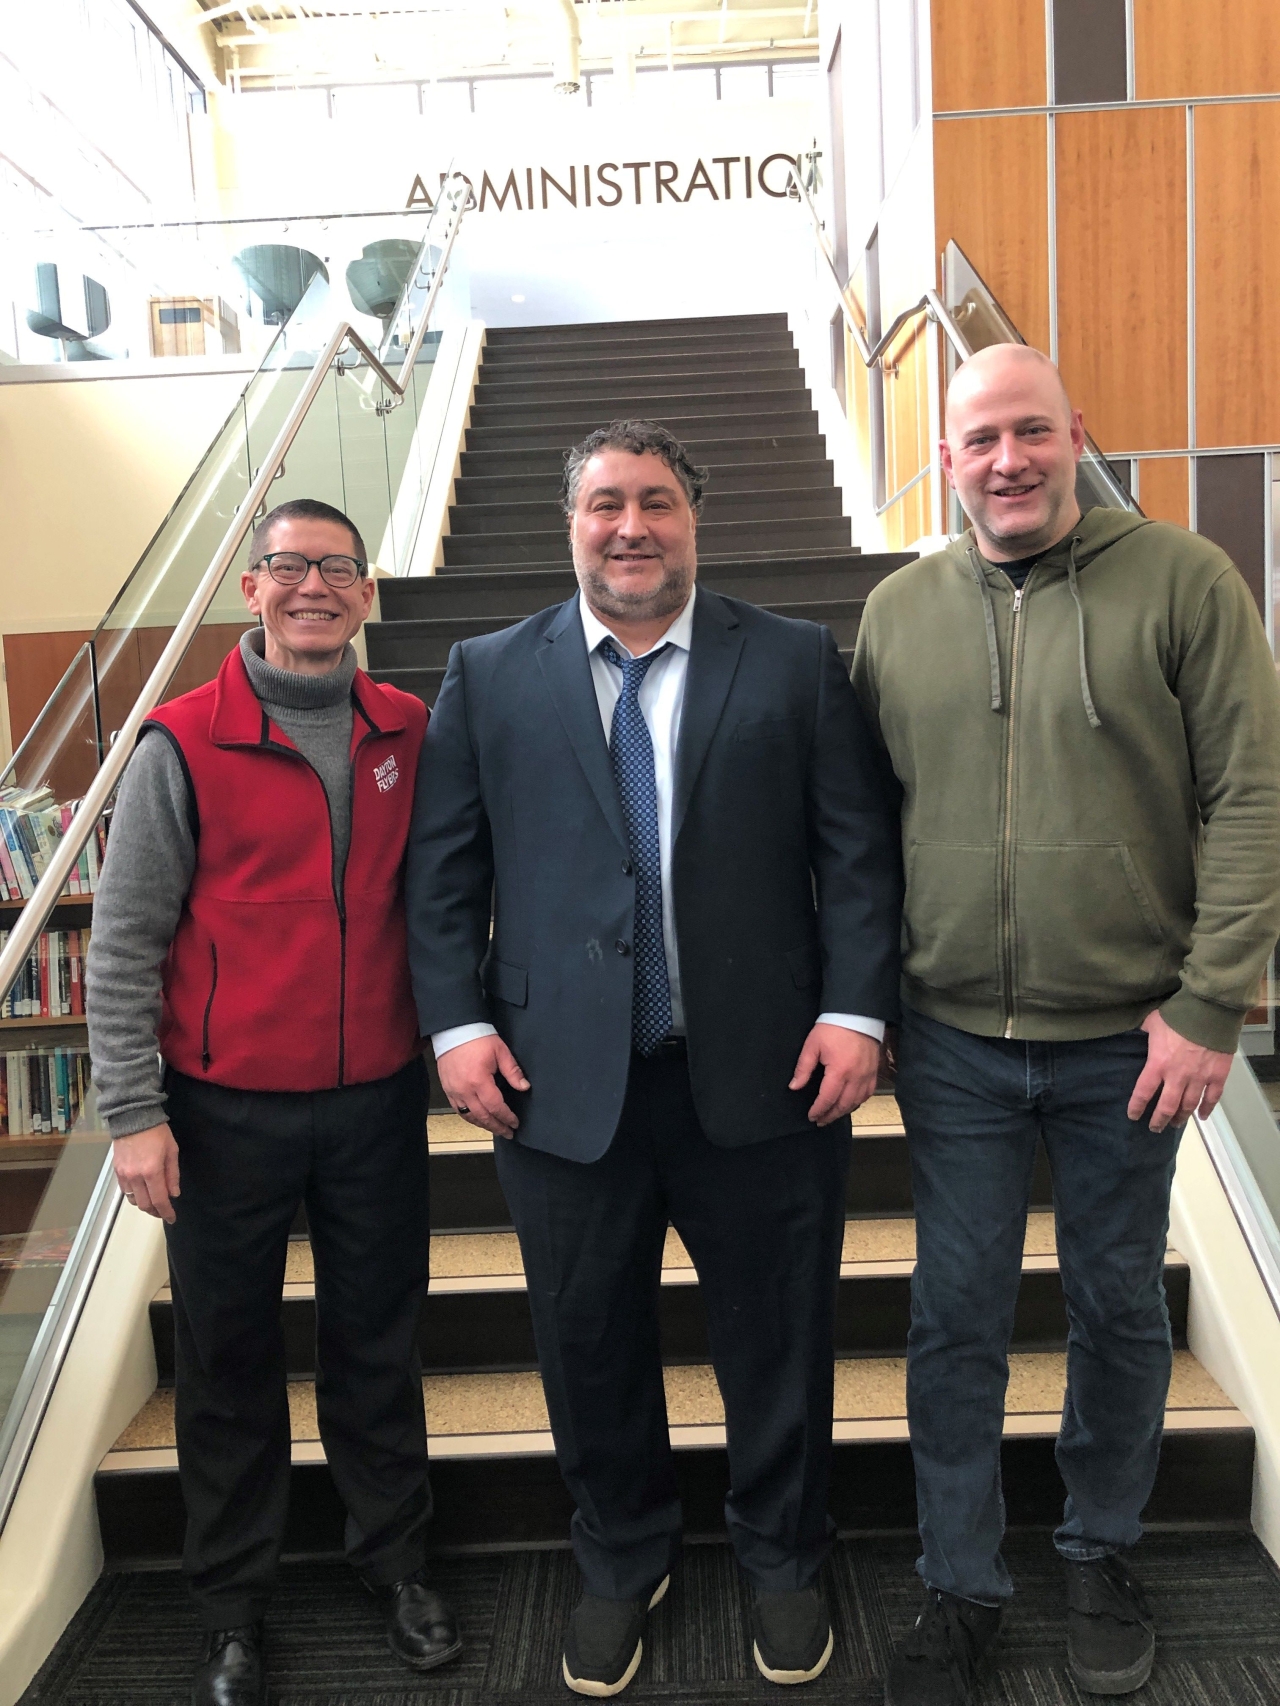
[{"x": 291, "y": 568}]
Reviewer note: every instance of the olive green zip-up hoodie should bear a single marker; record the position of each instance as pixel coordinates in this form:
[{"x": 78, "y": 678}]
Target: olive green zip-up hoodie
[{"x": 1091, "y": 776}]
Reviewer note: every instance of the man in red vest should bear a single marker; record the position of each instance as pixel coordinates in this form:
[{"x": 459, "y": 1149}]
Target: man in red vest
[{"x": 249, "y": 929}]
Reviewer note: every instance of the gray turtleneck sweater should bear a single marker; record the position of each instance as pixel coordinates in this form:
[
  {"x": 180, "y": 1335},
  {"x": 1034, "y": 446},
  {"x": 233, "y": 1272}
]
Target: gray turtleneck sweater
[{"x": 150, "y": 862}]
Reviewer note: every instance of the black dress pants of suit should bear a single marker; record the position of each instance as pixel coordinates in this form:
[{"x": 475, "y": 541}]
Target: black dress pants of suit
[
  {"x": 764, "y": 1226},
  {"x": 357, "y": 1157}
]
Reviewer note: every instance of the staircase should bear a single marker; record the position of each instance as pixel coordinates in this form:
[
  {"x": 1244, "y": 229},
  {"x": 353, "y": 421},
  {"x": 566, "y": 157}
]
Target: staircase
[
  {"x": 772, "y": 532},
  {"x": 493, "y": 1469},
  {"x": 772, "y": 529}
]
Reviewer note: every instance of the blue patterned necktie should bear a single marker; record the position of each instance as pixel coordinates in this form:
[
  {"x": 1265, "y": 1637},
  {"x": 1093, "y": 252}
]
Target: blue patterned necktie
[{"x": 631, "y": 750}]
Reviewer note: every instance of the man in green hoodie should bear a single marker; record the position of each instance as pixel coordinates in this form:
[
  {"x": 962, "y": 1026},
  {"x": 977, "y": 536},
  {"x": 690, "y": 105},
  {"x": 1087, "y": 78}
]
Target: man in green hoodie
[{"x": 1083, "y": 713}]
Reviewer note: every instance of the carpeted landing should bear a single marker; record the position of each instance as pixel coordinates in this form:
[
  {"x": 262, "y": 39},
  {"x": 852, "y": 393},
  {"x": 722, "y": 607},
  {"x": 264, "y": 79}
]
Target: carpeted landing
[{"x": 1216, "y": 1595}]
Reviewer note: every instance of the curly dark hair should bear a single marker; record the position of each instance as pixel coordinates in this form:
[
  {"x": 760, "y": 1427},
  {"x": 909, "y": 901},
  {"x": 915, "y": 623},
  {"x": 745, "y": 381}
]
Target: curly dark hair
[{"x": 637, "y": 437}]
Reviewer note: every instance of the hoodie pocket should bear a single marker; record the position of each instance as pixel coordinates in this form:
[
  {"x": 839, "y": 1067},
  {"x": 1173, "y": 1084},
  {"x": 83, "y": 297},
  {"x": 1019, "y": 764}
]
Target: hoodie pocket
[
  {"x": 949, "y": 922},
  {"x": 1086, "y": 932}
]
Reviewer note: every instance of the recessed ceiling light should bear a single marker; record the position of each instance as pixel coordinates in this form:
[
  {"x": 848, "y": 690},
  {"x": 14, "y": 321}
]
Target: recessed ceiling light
[{"x": 517, "y": 298}]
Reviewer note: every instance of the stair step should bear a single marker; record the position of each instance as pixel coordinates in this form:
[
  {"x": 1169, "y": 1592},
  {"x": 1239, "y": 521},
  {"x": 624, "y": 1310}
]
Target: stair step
[
  {"x": 646, "y": 403},
  {"x": 520, "y": 592},
  {"x": 707, "y": 354},
  {"x": 636, "y": 331},
  {"x": 490, "y": 1414},
  {"x": 480, "y": 1321},
  {"x": 715, "y": 538},
  {"x": 496, "y": 1483},
  {"x": 426, "y": 644},
  {"x": 615, "y": 392},
  {"x": 466, "y": 1196},
  {"x": 751, "y": 421},
  {"x": 741, "y": 449},
  {"x": 764, "y": 503},
  {"x": 726, "y": 480}
]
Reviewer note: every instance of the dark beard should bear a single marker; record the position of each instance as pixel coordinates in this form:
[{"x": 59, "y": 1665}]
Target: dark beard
[{"x": 667, "y": 598}]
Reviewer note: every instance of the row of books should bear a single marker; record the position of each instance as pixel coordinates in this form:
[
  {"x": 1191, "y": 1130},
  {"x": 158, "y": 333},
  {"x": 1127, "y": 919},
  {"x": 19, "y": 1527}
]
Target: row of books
[
  {"x": 51, "y": 983},
  {"x": 42, "y": 1090},
  {"x": 31, "y": 825}
]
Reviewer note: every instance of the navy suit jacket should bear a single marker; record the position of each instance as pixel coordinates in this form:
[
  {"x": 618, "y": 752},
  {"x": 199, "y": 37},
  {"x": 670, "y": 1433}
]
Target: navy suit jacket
[{"x": 786, "y": 870}]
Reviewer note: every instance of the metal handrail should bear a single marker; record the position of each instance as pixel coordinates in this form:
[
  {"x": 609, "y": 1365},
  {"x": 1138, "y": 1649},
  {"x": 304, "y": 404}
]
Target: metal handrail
[
  {"x": 35, "y": 914},
  {"x": 930, "y": 304}
]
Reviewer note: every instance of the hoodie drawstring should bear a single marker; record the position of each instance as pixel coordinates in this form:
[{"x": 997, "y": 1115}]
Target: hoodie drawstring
[
  {"x": 989, "y": 616},
  {"x": 1095, "y": 722}
]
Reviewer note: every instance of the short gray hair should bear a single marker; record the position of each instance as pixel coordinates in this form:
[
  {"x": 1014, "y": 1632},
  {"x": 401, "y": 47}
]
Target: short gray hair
[{"x": 639, "y": 437}]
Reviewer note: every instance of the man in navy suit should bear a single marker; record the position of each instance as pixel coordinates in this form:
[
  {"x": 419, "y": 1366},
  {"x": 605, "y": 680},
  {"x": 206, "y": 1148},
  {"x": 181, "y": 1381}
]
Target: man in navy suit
[{"x": 671, "y": 807}]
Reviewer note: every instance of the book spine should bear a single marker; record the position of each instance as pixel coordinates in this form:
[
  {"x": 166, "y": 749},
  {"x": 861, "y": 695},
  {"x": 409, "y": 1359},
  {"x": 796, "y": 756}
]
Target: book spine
[
  {"x": 44, "y": 975},
  {"x": 12, "y": 891},
  {"x": 17, "y": 853},
  {"x": 77, "y": 986}
]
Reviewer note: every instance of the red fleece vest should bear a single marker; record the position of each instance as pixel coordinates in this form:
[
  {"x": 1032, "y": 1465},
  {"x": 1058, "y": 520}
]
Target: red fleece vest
[{"x": 274, "y": 981}]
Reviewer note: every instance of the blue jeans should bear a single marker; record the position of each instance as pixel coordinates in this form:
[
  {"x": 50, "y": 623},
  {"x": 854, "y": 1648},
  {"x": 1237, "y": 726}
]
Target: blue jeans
[{"x": 973, "y": 1108}]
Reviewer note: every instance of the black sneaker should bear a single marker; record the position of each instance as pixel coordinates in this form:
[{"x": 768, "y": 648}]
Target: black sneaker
[
  {"x": 603, "y": 1647},
  {"x": 793, "y": 1639},
  {"x": 937, "y": 1664},
  {"x": 1111, "y": 1639}
]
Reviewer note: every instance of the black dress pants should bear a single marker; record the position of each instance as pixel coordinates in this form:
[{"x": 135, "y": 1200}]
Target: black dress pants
[
  {"x": 764, "y": 1227},
  {"x": 357, "y": 1157}
]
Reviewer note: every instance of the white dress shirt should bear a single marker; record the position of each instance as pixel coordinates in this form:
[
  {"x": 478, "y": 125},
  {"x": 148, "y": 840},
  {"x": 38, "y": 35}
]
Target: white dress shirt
[{"x": 661, "y": 702}]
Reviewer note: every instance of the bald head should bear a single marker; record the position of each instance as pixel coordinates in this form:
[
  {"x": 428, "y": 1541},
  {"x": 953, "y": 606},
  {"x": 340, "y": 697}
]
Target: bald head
[
  {"x": 1000, "y": 367},
  {"x": 1010, "y": 450}
]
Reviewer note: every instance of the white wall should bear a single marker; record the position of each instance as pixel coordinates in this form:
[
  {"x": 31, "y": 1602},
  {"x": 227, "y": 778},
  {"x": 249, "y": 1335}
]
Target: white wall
[{"x": 625, "y": 256}]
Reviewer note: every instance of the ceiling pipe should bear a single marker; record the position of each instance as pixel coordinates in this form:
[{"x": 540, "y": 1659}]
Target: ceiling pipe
[{"x": 566, "y": 64}]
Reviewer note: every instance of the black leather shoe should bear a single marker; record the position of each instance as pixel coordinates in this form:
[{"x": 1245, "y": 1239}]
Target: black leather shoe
[
  {"x": 233, "y": 1673},
  {"x": 421, "y": 1628},
  {"x": 1111, "y": 1639},
  {"x": 793, "y": 1639},
  {"x": 603, "y": 1646},
  {"x": 938, "y": 1663}
]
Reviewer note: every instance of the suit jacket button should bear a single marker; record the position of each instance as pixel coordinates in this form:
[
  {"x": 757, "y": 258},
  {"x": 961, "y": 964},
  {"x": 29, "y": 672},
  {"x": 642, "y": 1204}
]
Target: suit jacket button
[
  {"x": 627, "y": 867},
  {"x": 622, "y": 947}
]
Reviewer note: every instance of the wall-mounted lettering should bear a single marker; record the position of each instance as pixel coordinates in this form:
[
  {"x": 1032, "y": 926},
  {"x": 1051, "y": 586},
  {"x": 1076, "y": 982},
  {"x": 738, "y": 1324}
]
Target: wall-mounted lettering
[{"x": 653, "y": 183}]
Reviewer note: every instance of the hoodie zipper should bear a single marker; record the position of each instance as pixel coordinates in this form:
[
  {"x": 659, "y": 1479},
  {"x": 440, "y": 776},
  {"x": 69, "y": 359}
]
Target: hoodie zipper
[{"x": 1006, "y": 861}]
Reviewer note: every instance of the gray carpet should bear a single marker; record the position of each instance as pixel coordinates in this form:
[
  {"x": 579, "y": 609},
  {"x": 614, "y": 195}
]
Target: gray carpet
[{"x": 1216, "y": 1595}]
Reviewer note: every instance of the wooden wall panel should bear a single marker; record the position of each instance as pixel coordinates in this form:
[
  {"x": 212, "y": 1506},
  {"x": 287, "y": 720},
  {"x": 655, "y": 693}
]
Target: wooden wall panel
[
  {"x": 906, "y": 407},
  {"x": 1122, "y": 273},
  {"x": 988, "y": 56},
  {"x": 908, "y": 519},
  {"x": 34, "y": 664},
  {"x": 1237, "y": 267},
  {"x": 1184, "y": 48},
  {"x": 1164, "y": 488},
  {"x": 991, "y": 196}
]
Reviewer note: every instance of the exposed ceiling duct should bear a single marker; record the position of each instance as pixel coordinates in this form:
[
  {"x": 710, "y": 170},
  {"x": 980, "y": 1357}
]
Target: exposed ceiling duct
[{"x": 566, "y": 61}]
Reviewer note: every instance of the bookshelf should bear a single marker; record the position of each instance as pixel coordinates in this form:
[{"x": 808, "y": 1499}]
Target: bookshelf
[
  {"x": 66, "y": 903},
  {"x": 45, "y": 1022}
]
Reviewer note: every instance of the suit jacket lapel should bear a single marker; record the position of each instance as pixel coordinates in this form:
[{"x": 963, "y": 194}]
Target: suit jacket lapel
[
  {"x": 567, "y": 672},
  {"x": 713, "y": 657}
]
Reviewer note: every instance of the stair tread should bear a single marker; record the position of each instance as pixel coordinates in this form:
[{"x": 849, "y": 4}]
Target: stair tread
[{"x": 867, "y": 1390}]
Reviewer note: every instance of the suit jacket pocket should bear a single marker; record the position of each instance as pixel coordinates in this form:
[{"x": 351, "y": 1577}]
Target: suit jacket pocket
[
  {"x": 950, "y": 926},
  {"x": 766, "y": 728},
  {"x": 507, "y": 983},
  {"x": 1086, "y": 932},
  {"x": 806, "y": 967}
]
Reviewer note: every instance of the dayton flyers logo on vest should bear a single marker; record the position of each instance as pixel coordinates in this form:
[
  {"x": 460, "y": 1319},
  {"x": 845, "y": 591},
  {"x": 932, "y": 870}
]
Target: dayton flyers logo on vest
[{"x": 386, "y": 774}]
